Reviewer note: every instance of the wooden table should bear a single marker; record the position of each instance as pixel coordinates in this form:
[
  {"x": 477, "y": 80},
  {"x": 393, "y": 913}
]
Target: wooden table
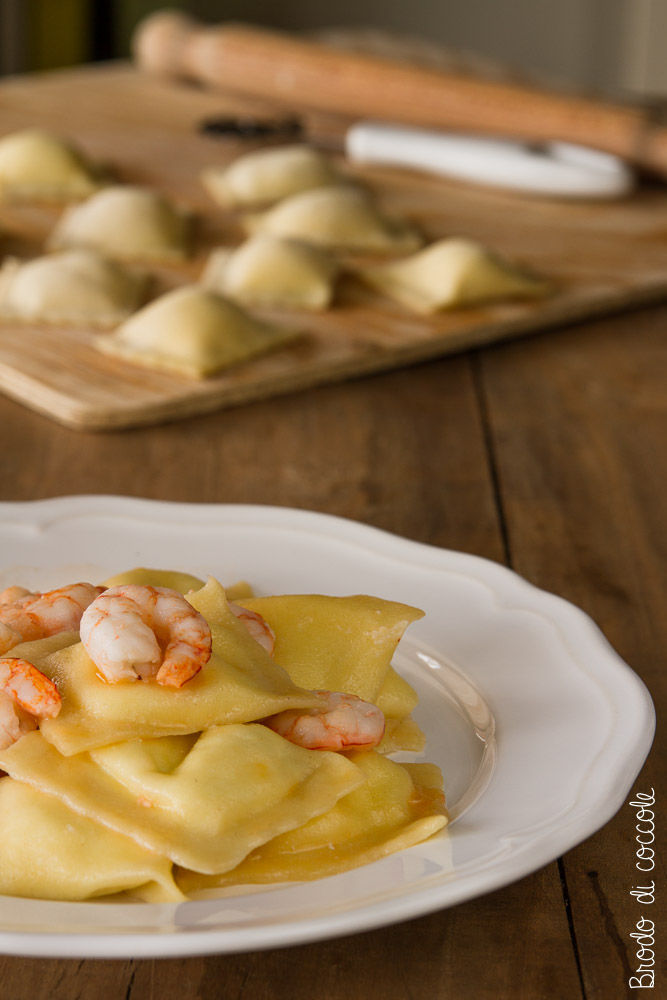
[{"x": 547, "y": 454}]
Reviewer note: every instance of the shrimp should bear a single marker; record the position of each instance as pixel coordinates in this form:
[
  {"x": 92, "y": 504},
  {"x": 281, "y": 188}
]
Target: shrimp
[
  {"x": 342, "y": 723},
  {"x": 26, "y": 697},
  {"x": 25, "y": 616},
  {"x": 126, "y": 628},
  {"x": 257, "y": 626},
  {"x": 10, "y": 595}
]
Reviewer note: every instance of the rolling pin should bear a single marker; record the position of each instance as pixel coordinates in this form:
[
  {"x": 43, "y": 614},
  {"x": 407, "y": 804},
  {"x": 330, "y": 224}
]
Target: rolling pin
[{"x": 305, "y": 74}]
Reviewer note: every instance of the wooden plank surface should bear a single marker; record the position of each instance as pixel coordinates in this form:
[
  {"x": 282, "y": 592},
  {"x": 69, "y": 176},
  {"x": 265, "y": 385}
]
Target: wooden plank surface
[
  {"x": 546, "y": 453},
  {"x": 580, "y": 430},
  {"x": 600, "y": 258},
  {"x": 405, "y": 451}
]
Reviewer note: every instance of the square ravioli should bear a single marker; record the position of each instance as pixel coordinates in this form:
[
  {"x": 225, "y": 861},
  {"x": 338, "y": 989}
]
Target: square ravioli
[
  {"x": 256, "y": 767},
  {"x": 205, "y": 805},
  {"x": 193, "y": 332},
  {"x": 395, "y": 807},
  {"x": 49, "y": 851},
  {"x": 337, "y": 643}
]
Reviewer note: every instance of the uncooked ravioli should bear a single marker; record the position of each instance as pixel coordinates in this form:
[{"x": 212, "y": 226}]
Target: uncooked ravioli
[
  {"x": 36, "y": 164},
  {"x": 270, "y": 271},
  {"x": 124, "y": 221},
  {"x": 74, "y": 287},
  {"x": 192, "y": 332},
  {"x": 268, "y": 175},
  {"x": 339, "y": 217},
  {"x": 450, "y": 273}
]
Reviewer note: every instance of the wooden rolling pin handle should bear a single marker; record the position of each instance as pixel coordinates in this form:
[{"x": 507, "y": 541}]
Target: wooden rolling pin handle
[{"x": 313, "y": 76}]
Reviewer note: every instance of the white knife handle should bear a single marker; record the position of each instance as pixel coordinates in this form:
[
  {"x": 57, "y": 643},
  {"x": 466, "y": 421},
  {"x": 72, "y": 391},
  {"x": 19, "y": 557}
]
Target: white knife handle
[{"x": 557, "y": 170}]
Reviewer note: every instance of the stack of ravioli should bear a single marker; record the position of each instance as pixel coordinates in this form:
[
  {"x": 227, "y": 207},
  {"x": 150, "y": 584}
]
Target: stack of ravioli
[{"x": 160, "y": 794}]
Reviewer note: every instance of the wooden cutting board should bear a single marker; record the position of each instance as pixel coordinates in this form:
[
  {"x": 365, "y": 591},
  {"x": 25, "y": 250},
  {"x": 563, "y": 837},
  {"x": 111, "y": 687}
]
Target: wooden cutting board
[{"x": 600, "y": 257}]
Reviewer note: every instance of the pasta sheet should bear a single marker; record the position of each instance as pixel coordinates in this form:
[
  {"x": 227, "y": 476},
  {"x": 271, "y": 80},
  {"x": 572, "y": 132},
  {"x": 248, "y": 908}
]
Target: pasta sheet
[
  {"x": 396, "y": 806},
  {"x": 336, "y": 643},
  {"x": 205, "y": 805},
  {"x": 346, "y": 644},
  {"x": 49, "y": 851}
]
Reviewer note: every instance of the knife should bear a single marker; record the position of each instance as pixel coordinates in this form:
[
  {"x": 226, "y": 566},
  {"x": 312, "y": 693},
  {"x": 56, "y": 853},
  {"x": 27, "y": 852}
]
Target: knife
[{"x": 554, "y": 169}]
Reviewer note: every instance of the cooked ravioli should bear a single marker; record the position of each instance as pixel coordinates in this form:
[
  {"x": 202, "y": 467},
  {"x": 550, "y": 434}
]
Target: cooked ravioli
[
  {"x": 240, "y": 683},
  {"x": 268, "y": 175},
  {"x": 204, "y": 805},
  {"x": 132, "y": 778},
  {"x": 270, "y": 271},
  {"x": 49, "y": 851},
  {"x": 395, "y": 807},
  {"x": 184, "y": 583},
  {"x": 396, "y": 697},
  {"x": 402, "y": 735},
  {"x": 126, "y": 222},
  {"x": 397, "y": 700},
  {"x": 450, "y": 273},
  {"x": 193, "y": 332},
  {"x": 145, "y": 577},
  {"x": 37, "y": 165},
  {"x": 74, "y": 287},
  {"x": 338, "y": 643},
  {"x": 339, "y": 217}
]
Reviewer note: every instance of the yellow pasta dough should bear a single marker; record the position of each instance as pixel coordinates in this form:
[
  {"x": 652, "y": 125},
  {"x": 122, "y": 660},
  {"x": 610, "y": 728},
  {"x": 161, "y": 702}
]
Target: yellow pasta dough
[
  {"x": 184, "y": 583},
  {"x": 396, "y": 697},
  {"x": 49, "y": 851},
  {"x": 450, "y": 273},
  {"x": 402, "y": 734},
  {"x": 336, "y": 643},
  {"x": 126, "y": 222},
  {"x": 131, "y": 778},
  {"x": 267, "y": 175},
  {"x": 205, "y": 805},
  {"x": 37, "y": 165},
  {"x": 395, "y": 807},
  {"x": 397, "y": 700},
  {"x": 340, "y": 217},
  {"x": 145, "y": 577},
  {"x": 269, "y": 271},
  {"x": 75, "y": 287},
  {"x": 346, "y": 644},
  {"x": 193, "y": 332}
]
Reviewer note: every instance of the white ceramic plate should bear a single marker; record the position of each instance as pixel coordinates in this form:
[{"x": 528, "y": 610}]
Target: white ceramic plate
[{"x": 538, "y": 726}]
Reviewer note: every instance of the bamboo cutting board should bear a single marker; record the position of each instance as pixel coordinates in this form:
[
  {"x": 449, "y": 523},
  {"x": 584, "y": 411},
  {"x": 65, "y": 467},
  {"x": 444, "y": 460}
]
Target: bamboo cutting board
[{"x": 600, "y": 257}]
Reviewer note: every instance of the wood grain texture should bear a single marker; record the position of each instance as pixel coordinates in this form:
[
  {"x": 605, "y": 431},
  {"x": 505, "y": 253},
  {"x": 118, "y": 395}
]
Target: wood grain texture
[
  {"x": 599, "y": 258},
  {"x": 231, "y": 56},
  {"x": 579, "y": 427},
  {"x": 405, "y": 451},
  {"x": 547, "y": 453}
]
